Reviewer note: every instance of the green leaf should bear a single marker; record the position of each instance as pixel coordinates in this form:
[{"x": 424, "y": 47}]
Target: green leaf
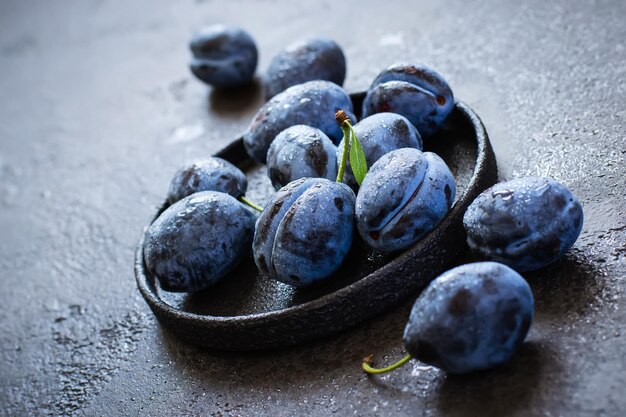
[{"x": 357, "y": 159}]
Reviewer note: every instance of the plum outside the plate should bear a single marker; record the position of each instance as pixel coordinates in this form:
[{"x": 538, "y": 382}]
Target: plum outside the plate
[
  {"x": 198, "y": 240},
  {"x": 224, "y": 57},
  {"x": 379, "y": 134},
  {"x": 470, "y": 318},
  {"x": 416, "y": 92},
  {"x": 209, "y": 174},
  {"x": 526, "y": 223},
  {"x": 306, "y": 60},
  {"x": 305, "y": 231},
  {"x": 405, "y": 194},
  {"x": 313, "y": 103},
  {"x": 301, "y": 151}
]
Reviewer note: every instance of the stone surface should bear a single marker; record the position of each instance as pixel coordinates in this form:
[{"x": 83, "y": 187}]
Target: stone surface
[{"x": 99, "y": 110}]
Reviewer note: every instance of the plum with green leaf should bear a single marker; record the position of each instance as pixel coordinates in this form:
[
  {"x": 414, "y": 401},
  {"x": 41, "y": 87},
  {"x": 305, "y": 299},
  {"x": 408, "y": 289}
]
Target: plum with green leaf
[{"x": 306, "y": 229}]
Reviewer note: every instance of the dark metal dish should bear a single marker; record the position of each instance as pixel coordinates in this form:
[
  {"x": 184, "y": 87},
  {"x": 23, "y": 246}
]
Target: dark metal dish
[{"x": 248, "y": 311}]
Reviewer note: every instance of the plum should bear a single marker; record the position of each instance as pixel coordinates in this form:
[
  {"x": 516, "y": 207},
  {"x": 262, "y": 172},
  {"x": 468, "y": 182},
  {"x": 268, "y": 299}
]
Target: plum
[
  {"x": 301, "y": 151},
  {"x": 224, "y": 57},
  {"x": 378, "y": 135},
  {"x": 405, "y": 194},
  {"x": 306, "y": 60},
  {"x": 305, "y": 231},
  {"x": 416, "y": 92},
  {"x": 313, "y": 103},
  {"x": 471, "y": 317},
  {"x": 198, "y": 240},
  {"x": 209, "y": 174},
  {"x": 526, "y": 223}
]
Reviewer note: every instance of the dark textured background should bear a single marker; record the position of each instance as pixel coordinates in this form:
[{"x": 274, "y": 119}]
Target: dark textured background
[{"x": 98, "y": 110}]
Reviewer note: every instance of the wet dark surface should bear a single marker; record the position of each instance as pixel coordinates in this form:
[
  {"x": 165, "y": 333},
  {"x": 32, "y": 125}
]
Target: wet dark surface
[{"x": 99, "y": 110}]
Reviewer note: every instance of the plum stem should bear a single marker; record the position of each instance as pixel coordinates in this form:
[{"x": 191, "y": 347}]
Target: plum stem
[
  {"x": 346, "y": 129},
  {"x": 250, "y": 203},
  {"x": 351, "y": 146},
  {"x": 368, "y": 368}
]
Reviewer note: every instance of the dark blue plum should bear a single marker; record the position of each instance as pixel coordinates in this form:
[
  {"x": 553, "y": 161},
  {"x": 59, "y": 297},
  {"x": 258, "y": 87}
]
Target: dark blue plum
[
  {"x": 210, "y": 174},
  {"x": 301, "y": 151},
  {"x": 224, "y": 57},
  {"x": 306, "y": 60},
  {"x": 415, "y": 91},
  {"x": 420, "y": 75},
  {"x": 379, "y": 134},
  {"x": 198, "y": 240},
  {"x": 470, "y": 318},
  {"x": 305, "y": 231},
  {"x": 526, "y": 223},
  {"x": 405, "y": 194},
  {"x": 313, "y": 103}
]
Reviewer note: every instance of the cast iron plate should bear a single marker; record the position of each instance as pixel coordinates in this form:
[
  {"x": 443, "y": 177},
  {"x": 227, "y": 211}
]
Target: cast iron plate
[{"x": 248, "y": 311}]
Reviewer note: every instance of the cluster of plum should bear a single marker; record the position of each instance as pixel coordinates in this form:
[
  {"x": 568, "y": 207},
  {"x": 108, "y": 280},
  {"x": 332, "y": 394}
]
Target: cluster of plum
[{"x": 317, "y": 155}]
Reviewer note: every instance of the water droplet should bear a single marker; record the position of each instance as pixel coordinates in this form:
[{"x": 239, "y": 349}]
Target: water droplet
[
  {"x": 184, "y": 134},
  {"x": 391, "y": 39},
  {"x": 505, "y": 195},
  {"x": 194, "y": 200},
  {"x": 543, "y": 188}
]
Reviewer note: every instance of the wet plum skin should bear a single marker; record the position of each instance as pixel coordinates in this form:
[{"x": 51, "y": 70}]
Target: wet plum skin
[
  {"x": 406, "y": 99},
  {"x": 526, "y": 223},
  {"x": 209, "y": 174},
  {"x": 415, "y": 91},
  {"x": 306, "y": 60},
  {"x": 198, "y": 240},
  {"x": 420, "y": 75},
  {"x": 224, "y": 57},
  {"x": 379, "y": 134},
  {"x": 305, "y": 231},
  {"x": 313, "y": 103},
  {"x": 470, "y": 318},
  {"x": 301, "y": 151},
  {"x": 405, "y": 194}
]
